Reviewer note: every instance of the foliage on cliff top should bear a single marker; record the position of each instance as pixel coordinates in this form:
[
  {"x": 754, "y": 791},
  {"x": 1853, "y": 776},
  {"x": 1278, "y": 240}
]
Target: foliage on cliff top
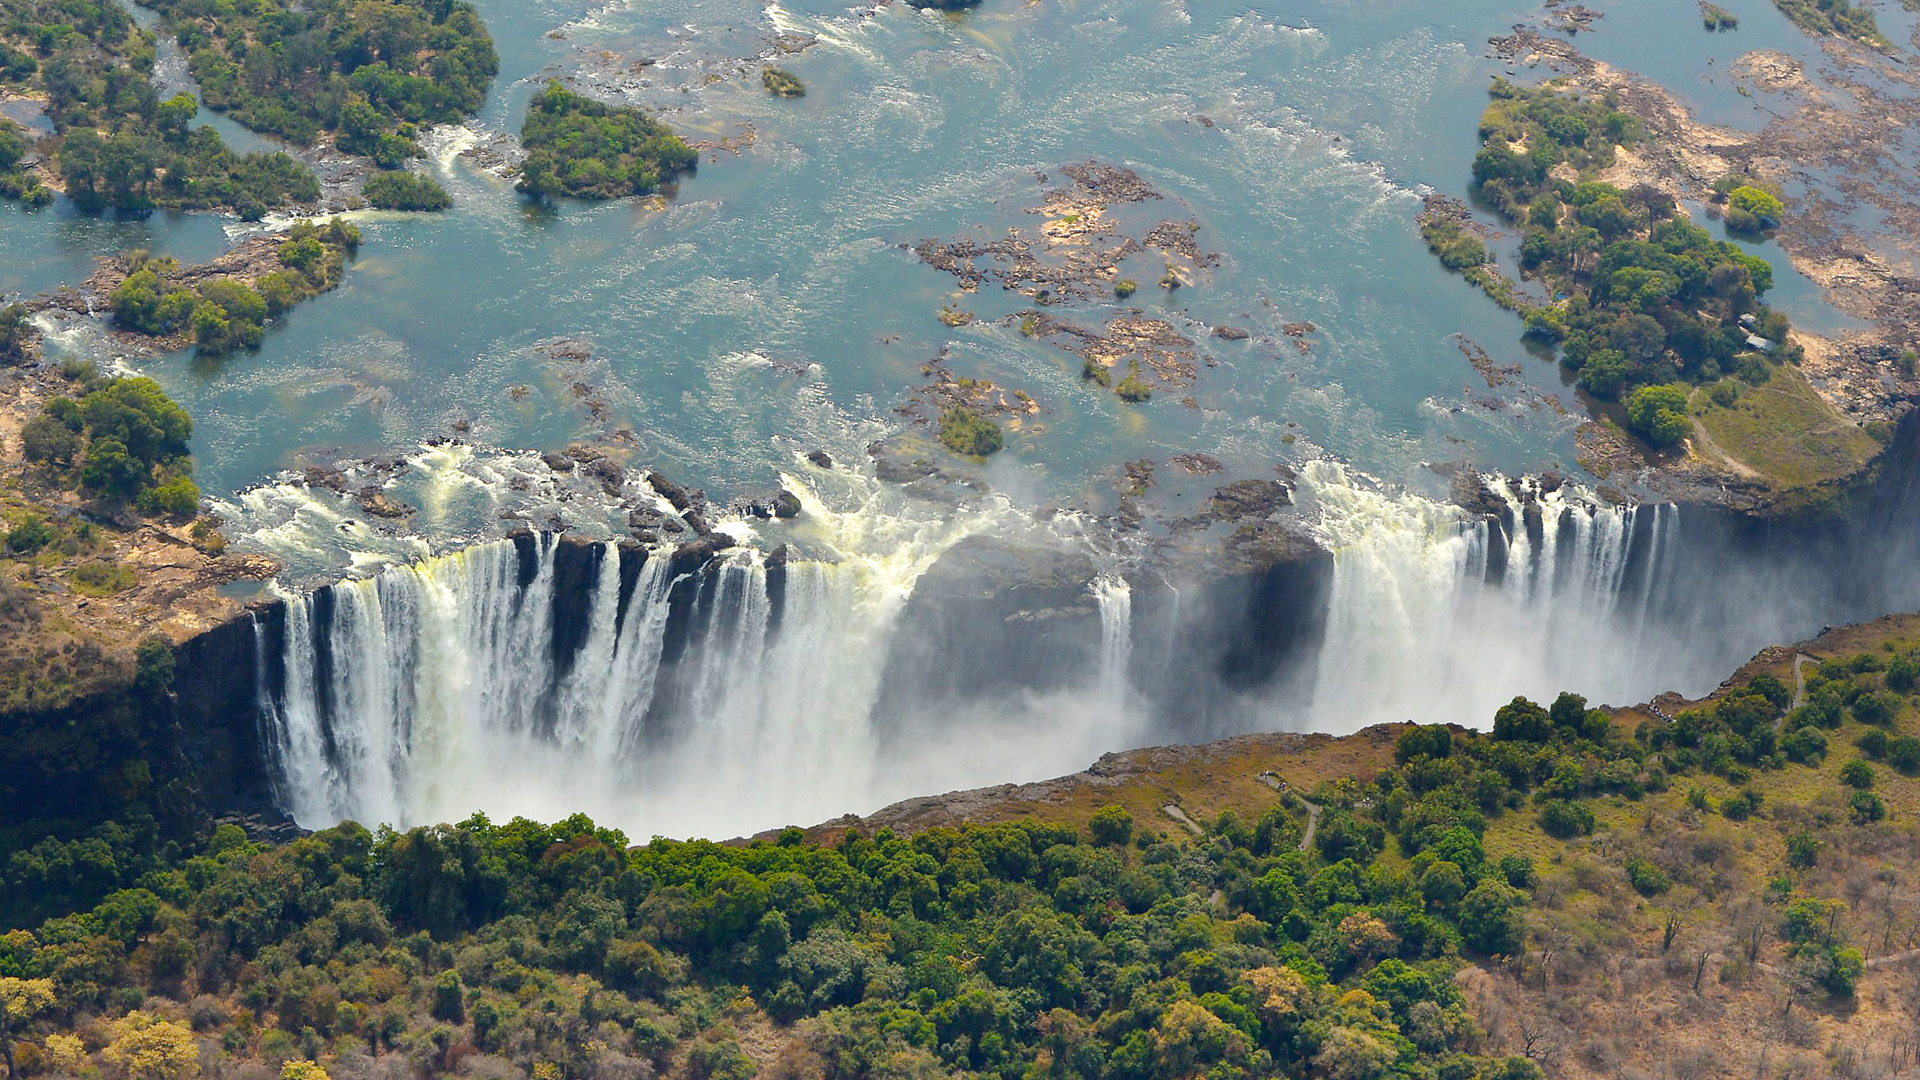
[
  {"x": 588, "y": 149},
  {"x": 369, "y": 72},
  {"x": 1028, "y": 949},
  {"x": 117, "y": 145},
  {"x": 1638, "y": 297}
]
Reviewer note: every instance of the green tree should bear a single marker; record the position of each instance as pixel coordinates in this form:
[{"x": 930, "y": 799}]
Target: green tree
[{"x": 1658, "y": 414}]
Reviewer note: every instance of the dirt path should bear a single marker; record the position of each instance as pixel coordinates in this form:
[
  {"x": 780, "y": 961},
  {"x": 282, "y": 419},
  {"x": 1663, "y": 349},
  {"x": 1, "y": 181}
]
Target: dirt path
[
  {"x": 1180, "y": 816},
  {"x": 1800, "y": 661},
  {"x": 1313, "y": 823}
]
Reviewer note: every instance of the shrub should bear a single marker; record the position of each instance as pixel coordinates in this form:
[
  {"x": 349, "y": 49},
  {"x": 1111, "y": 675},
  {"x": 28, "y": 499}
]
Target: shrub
[
  {"x": 1750, "y": 207},
  {"x": 1742, "y": 804},
  {"x": 1133, "y": 388},
  {"x": 1565, "y": 819},
  {"x": 1903, "y": 753},
  {"x": 1518, "y": 870},
  {"x": 1857, "y": 774},
  {"x": 1646, "y": 878},
  {"x": 1803, "y": 848},
  {"x": 1111, "y": 825},
  {"x": 1865, "y": 808},
  {"x": 1873, "y": 742},
  {"x": 782, "y": 83},
  {"x": 1125, "y": 287},
  {"x": 33, "y": 533},
  {"x": 102, "y": 578},
  {"x": 178, "y": 496}
]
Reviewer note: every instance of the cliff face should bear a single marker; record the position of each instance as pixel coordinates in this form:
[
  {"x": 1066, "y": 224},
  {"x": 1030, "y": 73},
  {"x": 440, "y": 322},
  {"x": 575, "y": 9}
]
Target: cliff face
[{"x": 1206, "y": 636}]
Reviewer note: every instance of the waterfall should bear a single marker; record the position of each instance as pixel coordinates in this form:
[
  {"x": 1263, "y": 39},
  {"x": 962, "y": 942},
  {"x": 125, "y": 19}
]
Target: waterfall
[
  {"x": 468, "y": 680},
  {"x": 1115, "y": 599},
  {"x": 1419, "y": 627}
]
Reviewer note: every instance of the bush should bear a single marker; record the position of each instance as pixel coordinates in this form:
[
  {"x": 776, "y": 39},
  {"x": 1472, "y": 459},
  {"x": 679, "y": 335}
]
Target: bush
[
  {"x": 1133, "y": 388},
  {"x": 33, "y": 533},
  {"x": 1873, "y": 743},
  {"x": 1865, "y": 808},
  {"x": 1903, "y": 754},
  {"x": 1111, "y": 825},
  {"x": 782, "y": 83},
  {"x": 1646, "y": 878},
  {"x": 1857, "y": 774},
  {"x": 1742, "y": 805},
  {"x": 178, "y": 496},
  {"x": 153, "y": 667},
  {"x": 1518, "y": 870},
  {"x": 1565, "y": 819}
]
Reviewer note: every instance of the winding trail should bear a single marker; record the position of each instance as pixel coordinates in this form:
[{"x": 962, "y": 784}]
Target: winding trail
[
  {"x": 1180, "y": 816},
  {"x": 1800, "y": 661},
  {"x": 1313, "y": 809}
]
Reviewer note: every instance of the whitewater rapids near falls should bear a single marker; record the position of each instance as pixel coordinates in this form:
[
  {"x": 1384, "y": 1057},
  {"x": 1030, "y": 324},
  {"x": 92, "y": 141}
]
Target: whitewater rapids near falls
[{"x": 747, "y": 694}]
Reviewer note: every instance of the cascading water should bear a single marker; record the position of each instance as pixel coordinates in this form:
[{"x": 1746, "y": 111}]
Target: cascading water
[
  {"x": 1426, "y": 624},
  {"x": 544, "y": 676},
  {"x": 1115, "y": 598}
]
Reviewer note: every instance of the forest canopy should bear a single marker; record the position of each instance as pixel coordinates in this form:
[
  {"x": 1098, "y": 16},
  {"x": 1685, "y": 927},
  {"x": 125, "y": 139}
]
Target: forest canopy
[
  {"x": 118, "y": 145},
  {"x": 371, "y": 73},
  {"x": 1316, "y": 938}
]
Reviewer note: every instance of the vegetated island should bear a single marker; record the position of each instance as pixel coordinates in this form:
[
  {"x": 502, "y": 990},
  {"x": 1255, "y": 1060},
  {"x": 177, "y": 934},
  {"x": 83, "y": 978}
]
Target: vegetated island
[
  {"x": 224, "y": 306},
  {"x": 115, "y": 144},
  {"x": 367, "y": 75},
  {"x": 782, "y": 83},
  {"x": 394, "y": 189},
  {"x": 1410, "y": 901},
  {"x": 1647, "y": 308},
  {"x": 1716, "y": 17},
  {"x": 587, "y": 149},
  {"x": 1836, "y": 18}
]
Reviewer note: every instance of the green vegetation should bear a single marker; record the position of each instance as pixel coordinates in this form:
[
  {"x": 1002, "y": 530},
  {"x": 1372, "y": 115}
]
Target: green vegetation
[
  {"x": 1658, "y": 414},
  {"x": 1752, "y": 206},
  {"x": 588, "y": 149},
  {"x": 1835, "y": 18},
  {"x": 1104, "y": 949},
  {"x": 1716, "y": 17},
  {"x": 397, "y": 190},
  {"x": 1133, "y": 388},
  {"x": 226, "y": 314},
  {"x": 965, "y": 431},
  {"x": 117, "y": 145},
  {"x": 1125, "y": 287},
  {"x": 1449, "y": 239},
  {"x": 782, "y": 83},
  {"x": 1783, "y": 429},
  {"x": 123, "y": 440},
  {"x": 16, "y": 333},
  {"x": 1641, "y": 298},
  {"x": 369, "y": 72}
]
